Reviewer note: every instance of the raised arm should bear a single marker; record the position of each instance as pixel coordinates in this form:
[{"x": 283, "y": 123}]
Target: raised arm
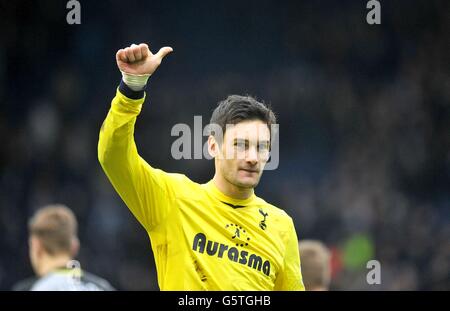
[{"x": 146, "y": 191}]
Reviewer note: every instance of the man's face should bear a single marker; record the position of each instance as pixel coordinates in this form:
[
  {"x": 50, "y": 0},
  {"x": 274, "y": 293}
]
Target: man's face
[{"x": 244, "y": 153}]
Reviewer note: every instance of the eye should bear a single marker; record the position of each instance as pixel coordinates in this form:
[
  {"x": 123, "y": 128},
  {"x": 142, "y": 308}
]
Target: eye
[
  {"x": 263, "y": 147},
  {"x": 240, "y": 144}
]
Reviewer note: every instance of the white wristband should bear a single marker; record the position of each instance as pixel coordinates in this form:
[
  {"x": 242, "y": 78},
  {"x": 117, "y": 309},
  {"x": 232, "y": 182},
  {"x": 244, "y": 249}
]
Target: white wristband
[{"x": 135, "y": 82}]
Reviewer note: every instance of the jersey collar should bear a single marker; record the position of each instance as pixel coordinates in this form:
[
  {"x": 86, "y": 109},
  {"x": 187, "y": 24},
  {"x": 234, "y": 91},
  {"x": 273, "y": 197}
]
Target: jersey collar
[{"x": 235, "y": 203}]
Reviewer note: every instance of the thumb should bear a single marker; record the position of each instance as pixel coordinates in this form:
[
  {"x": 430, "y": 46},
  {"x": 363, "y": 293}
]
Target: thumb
[{"x": 164, "y": 51}]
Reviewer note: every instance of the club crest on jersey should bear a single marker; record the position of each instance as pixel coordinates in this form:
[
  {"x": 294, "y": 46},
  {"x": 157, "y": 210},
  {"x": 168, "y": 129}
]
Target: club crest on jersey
[{"x": 262, "y": 223}]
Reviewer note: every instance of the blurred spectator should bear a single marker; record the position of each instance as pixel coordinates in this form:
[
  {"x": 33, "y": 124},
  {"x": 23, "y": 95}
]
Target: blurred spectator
[
  {"x": 53, "y": 244},
  {"x": 316, "y": 265}
]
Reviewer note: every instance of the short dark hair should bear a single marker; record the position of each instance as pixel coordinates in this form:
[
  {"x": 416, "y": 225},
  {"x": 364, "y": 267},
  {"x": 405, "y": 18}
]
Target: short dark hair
[
  {"x": 56, "y": 227},
  {"x": 237, "y": 108}
]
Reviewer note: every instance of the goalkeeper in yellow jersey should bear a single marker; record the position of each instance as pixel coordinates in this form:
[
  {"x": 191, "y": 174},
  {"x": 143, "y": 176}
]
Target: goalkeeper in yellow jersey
[{"x": 213, "y": 236}]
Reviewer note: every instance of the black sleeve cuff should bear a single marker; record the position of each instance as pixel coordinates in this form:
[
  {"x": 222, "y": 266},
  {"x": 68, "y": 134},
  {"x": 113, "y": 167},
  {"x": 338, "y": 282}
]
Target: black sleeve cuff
[{"x": 125, "y": 90}]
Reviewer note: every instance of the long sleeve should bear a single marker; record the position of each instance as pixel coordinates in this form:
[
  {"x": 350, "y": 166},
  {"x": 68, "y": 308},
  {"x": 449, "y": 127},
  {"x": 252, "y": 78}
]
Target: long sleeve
[{"x": 148, "y": 192}]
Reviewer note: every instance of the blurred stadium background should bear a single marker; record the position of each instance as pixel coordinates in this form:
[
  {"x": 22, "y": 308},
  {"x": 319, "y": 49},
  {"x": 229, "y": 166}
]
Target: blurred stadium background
[{"x": 364, "y": 113}]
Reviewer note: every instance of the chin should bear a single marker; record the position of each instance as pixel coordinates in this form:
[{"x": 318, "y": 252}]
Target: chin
[{"x": 246, "y": 183}]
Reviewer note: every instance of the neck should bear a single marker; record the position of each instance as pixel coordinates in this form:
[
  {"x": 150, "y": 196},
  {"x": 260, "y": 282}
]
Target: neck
[
  {"x": 231, "y": 190},
  {"x": 51, "y": 263}
]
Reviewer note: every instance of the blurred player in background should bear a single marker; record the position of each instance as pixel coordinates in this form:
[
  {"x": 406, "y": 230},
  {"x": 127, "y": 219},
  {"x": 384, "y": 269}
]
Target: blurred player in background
[
  {"x": 53, "y": 244},
  {"x": 316, "y": 265},
  {"x": 213, "y": 236}
]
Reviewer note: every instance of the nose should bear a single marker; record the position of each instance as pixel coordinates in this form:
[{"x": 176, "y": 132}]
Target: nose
[{"x": 252, "y": 156}]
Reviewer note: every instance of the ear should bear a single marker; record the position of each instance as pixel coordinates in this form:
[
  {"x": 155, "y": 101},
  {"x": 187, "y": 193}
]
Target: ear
[
  {"x": 213, "y": 146},
  {"x": 75, "y": 247},
  {"x": 35, "y": 245},
  {"x": 35, "y": 253}
]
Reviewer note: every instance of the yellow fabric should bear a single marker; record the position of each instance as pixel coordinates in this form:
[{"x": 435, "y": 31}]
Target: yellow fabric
[{"x": 199, "y": 241}]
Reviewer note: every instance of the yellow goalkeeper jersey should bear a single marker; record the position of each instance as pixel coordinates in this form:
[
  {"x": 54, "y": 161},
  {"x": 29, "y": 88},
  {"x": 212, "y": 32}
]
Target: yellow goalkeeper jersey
[{"x": 201, "y": 238}]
